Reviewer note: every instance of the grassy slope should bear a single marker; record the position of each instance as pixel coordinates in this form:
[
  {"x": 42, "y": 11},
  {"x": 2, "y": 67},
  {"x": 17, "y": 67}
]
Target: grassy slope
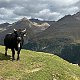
[{"x": 36, "y": 66}]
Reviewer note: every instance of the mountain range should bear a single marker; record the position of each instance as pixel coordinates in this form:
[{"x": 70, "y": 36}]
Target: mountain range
[
  {"x": 68, "y": 26},
  {"x": 49, "y": 36},
  {"x": 31, "y": 27}
]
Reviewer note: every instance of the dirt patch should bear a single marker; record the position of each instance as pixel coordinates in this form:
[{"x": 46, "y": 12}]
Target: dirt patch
[{"x": 33, "y": 70}]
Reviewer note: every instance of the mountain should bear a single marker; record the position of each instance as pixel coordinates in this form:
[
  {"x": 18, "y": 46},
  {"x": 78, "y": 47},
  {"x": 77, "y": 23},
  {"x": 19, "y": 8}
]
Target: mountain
[
  {"x": 62, "y": 38},
  {"x": 4, "y": 26},
  {"x": 21, "y": 24},
  {"x": 34, "y": 26},
  {"x": 56, "y": 37},
  {"x": 68, "y": 26},
  {"x": 31, "y": 27},
  {"x": 35, "y": 20},
  {"x": 77, "y": 16},
  {"x": 38, "y": 25},
  {"x": 36, "y": 66},
  {"x": 41, "y": 21}
]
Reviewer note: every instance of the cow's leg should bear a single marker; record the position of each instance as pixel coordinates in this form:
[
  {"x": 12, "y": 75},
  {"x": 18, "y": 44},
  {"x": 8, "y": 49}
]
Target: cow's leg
[
  {"x": 13, "y": 54},
  {"x": 6, "y": 51},
  {"x": 18, "y": 58}
]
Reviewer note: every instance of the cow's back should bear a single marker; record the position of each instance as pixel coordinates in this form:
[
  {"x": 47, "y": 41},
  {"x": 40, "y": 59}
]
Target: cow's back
[{"x": 10, "y": 40}]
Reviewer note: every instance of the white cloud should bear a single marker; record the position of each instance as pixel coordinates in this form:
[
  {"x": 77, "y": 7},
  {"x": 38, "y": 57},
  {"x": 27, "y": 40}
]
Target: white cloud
[
  {"x": 65, "y": 2},
  {"x": 48, "y": 15},
  {"x": 12, "y": 10},
  {"x": 71, "y": 10}
]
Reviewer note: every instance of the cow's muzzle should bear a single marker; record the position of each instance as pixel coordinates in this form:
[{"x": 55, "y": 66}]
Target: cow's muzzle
[{"x": 18, "y": 39}]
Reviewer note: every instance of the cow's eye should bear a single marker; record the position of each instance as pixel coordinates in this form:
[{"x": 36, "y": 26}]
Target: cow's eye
[{"x": 24, "y": 35}]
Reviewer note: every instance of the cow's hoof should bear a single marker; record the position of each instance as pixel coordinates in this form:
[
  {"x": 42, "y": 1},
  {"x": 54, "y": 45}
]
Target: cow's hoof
[
  {"x": 18, "y": 59},
  {"x": 13, "y": 59}
]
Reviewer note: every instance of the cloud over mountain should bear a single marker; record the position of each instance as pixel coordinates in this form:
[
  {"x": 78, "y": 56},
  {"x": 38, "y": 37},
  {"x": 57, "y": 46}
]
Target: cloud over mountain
[{"x": 12, "y": 10}]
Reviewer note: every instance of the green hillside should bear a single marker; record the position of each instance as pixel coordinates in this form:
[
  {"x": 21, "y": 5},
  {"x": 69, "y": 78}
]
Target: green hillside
[{"x": 36, "y": 66}]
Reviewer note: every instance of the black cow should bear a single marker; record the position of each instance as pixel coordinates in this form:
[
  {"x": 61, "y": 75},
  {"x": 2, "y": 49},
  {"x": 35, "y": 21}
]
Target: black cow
[{"x": 14, "y": 41}]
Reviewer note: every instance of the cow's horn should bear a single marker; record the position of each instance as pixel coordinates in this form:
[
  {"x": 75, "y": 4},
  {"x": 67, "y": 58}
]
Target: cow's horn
[
  {"x": 15, "y": 30},
  {"x": 24, "y": 30}
]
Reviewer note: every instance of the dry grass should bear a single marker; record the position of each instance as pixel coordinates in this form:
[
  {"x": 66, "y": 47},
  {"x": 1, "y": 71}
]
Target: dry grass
[{"x": 36, "y": 66}]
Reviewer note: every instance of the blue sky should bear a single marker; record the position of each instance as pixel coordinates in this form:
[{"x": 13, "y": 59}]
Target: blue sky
[{"x": 13, "y": 10}]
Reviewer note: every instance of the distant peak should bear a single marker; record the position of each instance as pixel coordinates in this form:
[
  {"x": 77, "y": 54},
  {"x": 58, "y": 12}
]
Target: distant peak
[
  {"x": 23, "y": 19},
  {"x": 77, "y": 13},
  {"x": 34, "y": 20},
  {"x": 5, "y": 23},
  {"x": 68, "y": 15},
  {"x": 77, "y": 16},
  {"x": 65, "y": 17}
]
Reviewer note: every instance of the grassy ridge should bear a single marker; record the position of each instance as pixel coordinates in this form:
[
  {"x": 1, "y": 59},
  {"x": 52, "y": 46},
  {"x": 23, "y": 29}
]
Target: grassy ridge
[{"x": 36, "y": 66}]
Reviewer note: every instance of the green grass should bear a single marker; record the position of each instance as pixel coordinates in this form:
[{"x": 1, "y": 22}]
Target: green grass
[{"x": 36, "y": 66}]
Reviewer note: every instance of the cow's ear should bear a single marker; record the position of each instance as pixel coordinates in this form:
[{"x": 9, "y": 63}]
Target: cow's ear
[{"x": 15, "y": 30}]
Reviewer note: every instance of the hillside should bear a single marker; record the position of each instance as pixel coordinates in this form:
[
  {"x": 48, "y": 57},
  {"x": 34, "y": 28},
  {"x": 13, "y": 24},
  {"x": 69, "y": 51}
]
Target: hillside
[
  {"x": 31, "y": 27},
  {"x": 4, "y": 26},
  {"x": 68, "y": 27},
  {"x": 40, "y": 22},
  {"x": 36, "y": 66}
]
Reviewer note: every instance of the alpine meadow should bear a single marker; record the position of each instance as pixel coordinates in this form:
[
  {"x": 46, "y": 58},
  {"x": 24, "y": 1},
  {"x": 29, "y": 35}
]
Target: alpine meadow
[{"x": 40, "y": 40}]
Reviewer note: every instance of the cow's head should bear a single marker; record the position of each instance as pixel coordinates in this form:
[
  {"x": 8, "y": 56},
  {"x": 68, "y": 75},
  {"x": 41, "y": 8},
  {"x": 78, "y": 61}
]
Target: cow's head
[{"x": 19, "y": 34}]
